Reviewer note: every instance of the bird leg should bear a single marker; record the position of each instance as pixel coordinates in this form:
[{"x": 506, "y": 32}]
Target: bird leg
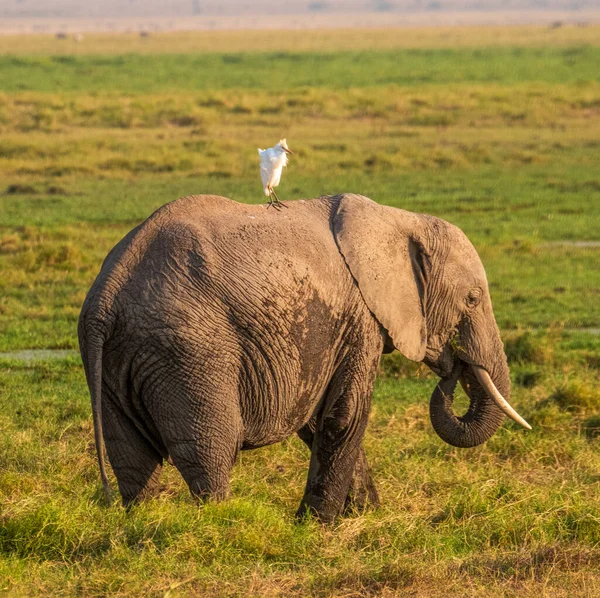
[
  {"x": 278, "y": 203},
  {"x": 271, "y": 202}
]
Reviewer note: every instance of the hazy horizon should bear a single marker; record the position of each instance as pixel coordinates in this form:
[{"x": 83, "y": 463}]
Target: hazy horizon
[{"x": 89, "y": 9}]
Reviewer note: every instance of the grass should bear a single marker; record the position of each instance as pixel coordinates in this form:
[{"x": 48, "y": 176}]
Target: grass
[
  {"x": 508, "y": 517},
  {"x": 134, "y": 73},
  {"x": 326, "y": 40},
  {"x": 495, "y": 130}
]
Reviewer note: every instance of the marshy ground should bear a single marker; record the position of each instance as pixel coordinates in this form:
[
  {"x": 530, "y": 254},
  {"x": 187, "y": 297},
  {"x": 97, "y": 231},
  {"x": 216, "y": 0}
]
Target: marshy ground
[{"x": 496, "y": 130}]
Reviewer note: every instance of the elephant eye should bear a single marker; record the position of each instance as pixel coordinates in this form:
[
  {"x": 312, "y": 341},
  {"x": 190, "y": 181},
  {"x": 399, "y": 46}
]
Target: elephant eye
[{"x": 473, "y": 298}]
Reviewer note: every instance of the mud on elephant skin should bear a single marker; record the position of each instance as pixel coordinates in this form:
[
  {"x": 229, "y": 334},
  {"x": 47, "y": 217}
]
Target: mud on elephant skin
[{"x": 215, "y": 327}]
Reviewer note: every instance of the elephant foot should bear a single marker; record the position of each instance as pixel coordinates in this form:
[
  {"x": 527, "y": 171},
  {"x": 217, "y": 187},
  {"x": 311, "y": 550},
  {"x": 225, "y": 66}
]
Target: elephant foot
[
  {"x": 131, "y": 498},
  {"x": 361, "y": 497},
  {"x": 362, "y": 494},
  {"x": 359, "y": 500},
  {"x": 321, "y": 511}
]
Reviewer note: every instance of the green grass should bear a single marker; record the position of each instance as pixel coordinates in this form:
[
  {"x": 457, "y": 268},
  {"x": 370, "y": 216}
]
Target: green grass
[
  {"x": 495, "y": 130},
  {"x": 507, "y": 517},
  {"x": 138, "y": 73}
]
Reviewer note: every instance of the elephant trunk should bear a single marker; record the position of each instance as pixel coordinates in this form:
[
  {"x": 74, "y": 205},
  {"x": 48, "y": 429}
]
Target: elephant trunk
[{"x": 483, "y": 417}]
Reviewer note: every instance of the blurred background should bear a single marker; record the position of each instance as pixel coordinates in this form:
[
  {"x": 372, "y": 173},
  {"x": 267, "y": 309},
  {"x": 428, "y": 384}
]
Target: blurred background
[{"x": 114, "y": 15}]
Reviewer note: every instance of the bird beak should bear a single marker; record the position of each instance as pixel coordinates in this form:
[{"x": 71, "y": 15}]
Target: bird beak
[{"x": 288, "y": 151}]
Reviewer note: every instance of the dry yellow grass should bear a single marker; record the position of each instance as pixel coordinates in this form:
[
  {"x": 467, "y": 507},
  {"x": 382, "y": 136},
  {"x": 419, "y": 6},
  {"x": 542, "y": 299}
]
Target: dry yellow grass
[{"x": 303, "y": 40}]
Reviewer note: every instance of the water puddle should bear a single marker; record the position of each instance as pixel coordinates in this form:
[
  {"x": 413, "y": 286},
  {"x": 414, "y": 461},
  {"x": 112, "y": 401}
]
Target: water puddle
[
  {"x": 39, "y": 354},
  {"x": 584, "y": 244},
  {"x": 29, "y": 355}
]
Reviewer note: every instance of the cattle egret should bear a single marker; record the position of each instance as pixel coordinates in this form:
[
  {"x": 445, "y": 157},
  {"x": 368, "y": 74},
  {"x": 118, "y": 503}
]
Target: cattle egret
[{"x": 272, "y": 161}]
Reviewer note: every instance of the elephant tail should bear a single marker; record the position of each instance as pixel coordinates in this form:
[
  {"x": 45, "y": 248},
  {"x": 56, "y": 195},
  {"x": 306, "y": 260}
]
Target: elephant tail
[{"x": 95, "y": 383}]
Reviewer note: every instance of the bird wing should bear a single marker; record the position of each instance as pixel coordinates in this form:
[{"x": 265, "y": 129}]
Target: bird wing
[
  {"x": 276, "y": 176},
  {"x": 266, "y": 166},
  {"x": 265, "y": 174}
]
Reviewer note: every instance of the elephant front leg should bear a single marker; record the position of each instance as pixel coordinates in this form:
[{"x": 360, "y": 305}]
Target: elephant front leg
[
  {"x": 336, "y": 447},
  {"x": 362, "y": 493}
]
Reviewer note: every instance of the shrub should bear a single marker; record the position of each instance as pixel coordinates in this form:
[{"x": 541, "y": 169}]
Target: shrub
[
  {"x": 591, "y": 427},
  {"x": 528, "y": 377},
  {"x": 18, "y": 189},
  {"x": 395, "y": 365},
  {"x": 577, "y": 395},
  {"x": 526, "y": 348}
]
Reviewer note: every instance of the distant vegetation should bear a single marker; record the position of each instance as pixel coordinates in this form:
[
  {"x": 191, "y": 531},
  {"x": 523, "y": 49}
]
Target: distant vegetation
[
  {"x": 496, "y": 136},
  {"x": 299, "y": 41},
  {"x": 283, "y": 71}
]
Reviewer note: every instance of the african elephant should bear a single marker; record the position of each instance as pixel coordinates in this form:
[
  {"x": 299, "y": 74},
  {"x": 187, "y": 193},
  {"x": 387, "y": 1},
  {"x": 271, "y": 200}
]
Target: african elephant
[{"x": 216, "y": 326}]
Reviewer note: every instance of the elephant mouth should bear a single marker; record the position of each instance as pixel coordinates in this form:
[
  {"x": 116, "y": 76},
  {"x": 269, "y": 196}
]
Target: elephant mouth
[
  {"x": 486, "y": 409},
  {"x": 447, "y": 384}
]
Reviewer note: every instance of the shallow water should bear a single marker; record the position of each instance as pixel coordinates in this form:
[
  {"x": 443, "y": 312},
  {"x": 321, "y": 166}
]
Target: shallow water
[
  {"x": 572, "y": 244},
  {"x": 46, "y": 354},
  {"x": 39, "y": 354}
]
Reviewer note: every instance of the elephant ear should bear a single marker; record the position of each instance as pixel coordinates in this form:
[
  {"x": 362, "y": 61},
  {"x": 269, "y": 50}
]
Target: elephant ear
[{"x": 385, "y": 258}]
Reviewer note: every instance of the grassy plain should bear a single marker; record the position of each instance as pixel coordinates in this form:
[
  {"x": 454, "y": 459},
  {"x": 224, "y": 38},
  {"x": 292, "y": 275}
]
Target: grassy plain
[
  {"x": 495, "y": 130},
  {"x": 300, "y": 40}
]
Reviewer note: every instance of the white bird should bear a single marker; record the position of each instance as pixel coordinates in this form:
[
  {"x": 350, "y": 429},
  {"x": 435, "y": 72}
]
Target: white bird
[{"x": 272, "y": 161}]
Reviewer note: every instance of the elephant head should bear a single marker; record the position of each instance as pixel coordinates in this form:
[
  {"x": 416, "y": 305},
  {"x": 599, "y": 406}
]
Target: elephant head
[{"x": 424, "y": 282}]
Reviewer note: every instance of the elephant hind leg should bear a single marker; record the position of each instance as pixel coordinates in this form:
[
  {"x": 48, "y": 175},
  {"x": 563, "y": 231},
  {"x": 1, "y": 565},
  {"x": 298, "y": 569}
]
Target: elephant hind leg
[
  {"x": 205, "y": 467},
  {"x": 362, "y": 494},
  {"x": 202, "y": 430},
  {"x": 135, "y": 462}
]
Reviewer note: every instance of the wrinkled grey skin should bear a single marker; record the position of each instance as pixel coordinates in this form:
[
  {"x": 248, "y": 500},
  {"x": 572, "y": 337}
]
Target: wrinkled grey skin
[{"x": 215, "y": 327}]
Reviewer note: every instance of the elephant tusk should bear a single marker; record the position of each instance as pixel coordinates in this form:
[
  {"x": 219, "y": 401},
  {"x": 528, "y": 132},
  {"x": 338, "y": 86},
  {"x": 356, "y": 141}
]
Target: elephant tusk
[{"x": 488, "y": 385}]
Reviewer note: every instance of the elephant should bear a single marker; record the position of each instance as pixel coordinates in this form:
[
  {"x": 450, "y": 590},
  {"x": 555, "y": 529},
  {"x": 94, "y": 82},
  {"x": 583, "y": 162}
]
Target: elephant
[{"x": 216, "y": 326}]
